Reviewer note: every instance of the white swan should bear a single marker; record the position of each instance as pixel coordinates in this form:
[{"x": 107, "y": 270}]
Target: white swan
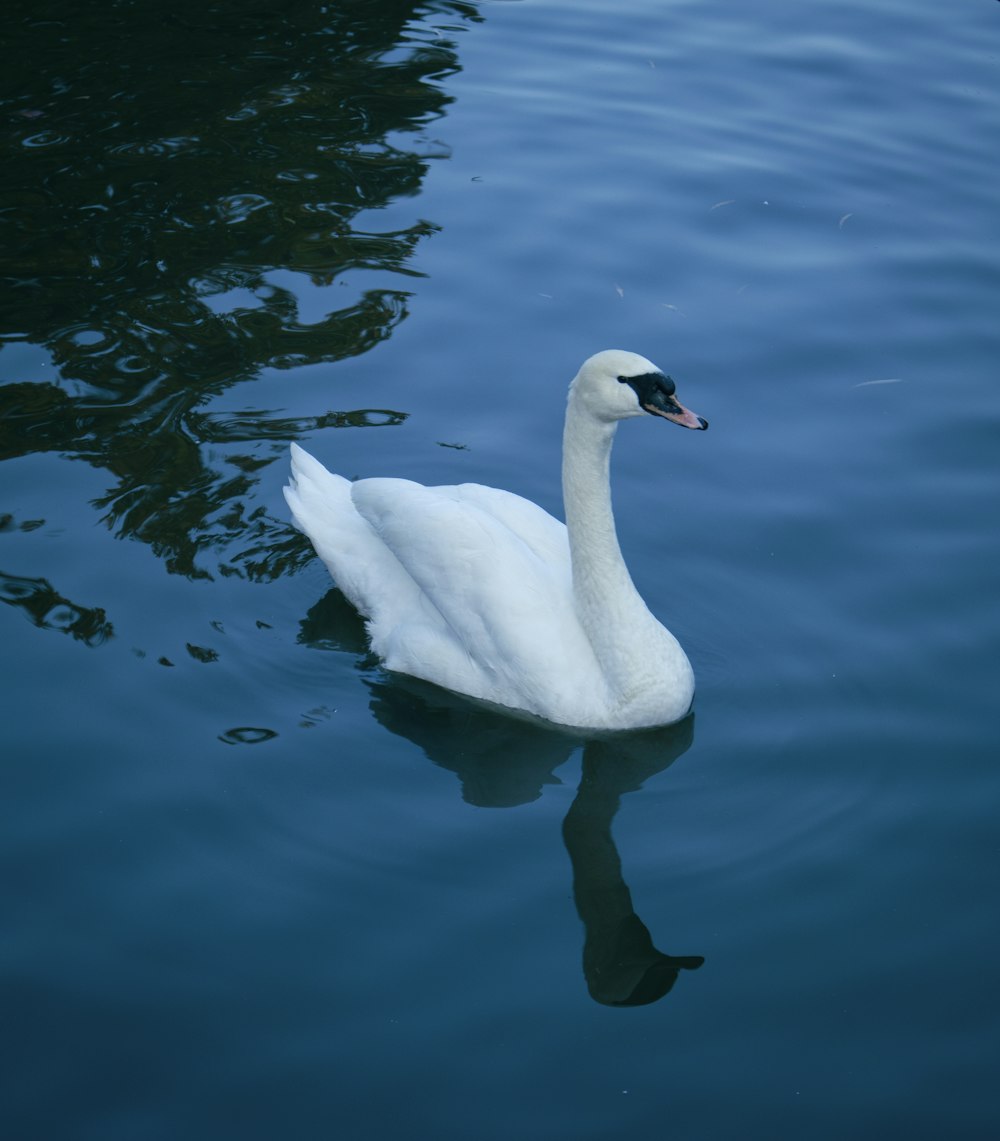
[{"x": 484, "y": 593}]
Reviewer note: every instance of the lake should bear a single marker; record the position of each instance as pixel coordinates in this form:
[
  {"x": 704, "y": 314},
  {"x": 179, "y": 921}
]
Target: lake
[{"x": 256, "y": 885}]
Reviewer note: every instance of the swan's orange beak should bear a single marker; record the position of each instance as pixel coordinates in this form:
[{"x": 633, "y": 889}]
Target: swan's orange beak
[{"x": 671, "y": 409}]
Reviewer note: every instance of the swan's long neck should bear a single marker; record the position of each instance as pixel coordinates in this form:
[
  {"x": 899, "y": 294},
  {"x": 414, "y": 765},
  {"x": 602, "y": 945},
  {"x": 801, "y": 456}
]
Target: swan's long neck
[{"x": 614, "y": 616}]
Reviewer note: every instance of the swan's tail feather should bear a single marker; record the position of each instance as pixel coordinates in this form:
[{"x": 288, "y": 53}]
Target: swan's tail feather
[
  {"x": 357, "y": 559},
  {"x": 320, "y": 501}
]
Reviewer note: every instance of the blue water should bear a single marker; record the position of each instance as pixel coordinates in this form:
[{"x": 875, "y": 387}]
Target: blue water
[{"x": 257, "y": 887}]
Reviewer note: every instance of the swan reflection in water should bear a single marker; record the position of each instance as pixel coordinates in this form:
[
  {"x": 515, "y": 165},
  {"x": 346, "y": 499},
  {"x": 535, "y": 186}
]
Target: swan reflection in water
[
  {"x": 620, "y": 963},
  {"x": 503, "y": 762}
]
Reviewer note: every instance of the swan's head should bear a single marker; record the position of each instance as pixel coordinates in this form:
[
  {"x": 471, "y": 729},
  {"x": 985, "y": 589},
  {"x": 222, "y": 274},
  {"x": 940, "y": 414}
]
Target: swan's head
[{"x": 615, "y": 385}]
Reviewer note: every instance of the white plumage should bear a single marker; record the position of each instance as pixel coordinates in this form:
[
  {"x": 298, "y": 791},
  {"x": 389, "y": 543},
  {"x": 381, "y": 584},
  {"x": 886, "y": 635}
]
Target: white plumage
[{"x": 482, "y": 592}]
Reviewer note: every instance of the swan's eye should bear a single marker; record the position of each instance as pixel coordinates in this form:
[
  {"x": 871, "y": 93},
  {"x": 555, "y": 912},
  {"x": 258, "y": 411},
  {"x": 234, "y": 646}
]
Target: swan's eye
[{"x": 623, "y": 380}]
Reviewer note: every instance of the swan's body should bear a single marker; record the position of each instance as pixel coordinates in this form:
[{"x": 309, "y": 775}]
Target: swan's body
[{"x": 486, "y": 594}]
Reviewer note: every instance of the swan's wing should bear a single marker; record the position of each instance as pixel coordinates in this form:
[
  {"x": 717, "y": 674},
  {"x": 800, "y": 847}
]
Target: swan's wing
[
  {"x": 468, "y": 587},
  {"x": 495, "y": 570},
  {"x": 535, "y": 527}
]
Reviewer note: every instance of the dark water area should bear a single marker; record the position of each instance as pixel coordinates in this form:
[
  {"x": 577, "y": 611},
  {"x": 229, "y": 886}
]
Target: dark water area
[{"x": 254, "y": 884}]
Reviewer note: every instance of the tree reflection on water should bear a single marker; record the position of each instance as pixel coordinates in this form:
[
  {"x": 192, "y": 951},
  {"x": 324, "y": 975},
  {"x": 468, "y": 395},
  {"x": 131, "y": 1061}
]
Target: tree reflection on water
[{"x": 155, "y": 204}]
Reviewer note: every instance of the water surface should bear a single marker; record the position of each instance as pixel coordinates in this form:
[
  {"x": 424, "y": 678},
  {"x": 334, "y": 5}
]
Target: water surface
[{"x": 258, "y": 886}]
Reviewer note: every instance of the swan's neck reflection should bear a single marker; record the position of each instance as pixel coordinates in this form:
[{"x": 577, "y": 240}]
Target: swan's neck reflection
[{"x": 620, "y": 963}]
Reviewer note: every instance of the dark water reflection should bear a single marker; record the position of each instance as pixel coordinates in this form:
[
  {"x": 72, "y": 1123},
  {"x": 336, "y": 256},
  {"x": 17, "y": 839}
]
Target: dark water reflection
[
  {"x": 167, "y": 173},
  {"x": 47, "y": 609}
]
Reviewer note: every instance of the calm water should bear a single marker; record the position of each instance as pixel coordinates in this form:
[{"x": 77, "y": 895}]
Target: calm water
[{"x": 255, "y": 887}]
